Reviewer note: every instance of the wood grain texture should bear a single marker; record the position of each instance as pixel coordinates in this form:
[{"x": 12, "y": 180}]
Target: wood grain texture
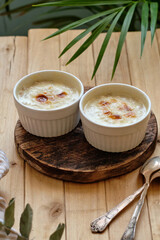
[
  {"x": 145, "y": 74},
  {"x": 120, "y": 187},
  {"x": 71, "y": 158},
  {"x": 81, "y": 67},
  {"x": 45, "y": 195},
  {"x": 13, "y": 65},
  {"x": 116, "y": 189},
  {"x": 104, "y": 72},
  {"x": 54, "y": 201},
  {"x": 82, "y": 202}
]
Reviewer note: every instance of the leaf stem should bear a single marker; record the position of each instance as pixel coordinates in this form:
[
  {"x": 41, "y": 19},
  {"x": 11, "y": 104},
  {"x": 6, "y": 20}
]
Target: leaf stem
[{"x": 12, "y": 230}]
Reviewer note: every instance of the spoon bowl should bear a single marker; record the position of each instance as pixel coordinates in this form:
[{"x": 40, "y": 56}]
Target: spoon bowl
[{"x": 149, "y": 167}]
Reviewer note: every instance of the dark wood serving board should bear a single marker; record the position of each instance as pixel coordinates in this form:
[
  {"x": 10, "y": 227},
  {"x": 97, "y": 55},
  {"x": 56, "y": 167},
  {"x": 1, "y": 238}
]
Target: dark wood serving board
[{"x": 72, "y": 158}]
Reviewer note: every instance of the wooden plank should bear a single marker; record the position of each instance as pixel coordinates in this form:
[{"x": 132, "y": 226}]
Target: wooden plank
[
  {"x": 153, "y": 205},
  {"x": 104, "y": 72},
  {"x": 154, "y": 191},
  {"x": 13, "y": 62},
  {"x": 119, "y": 188},
  {"x": 157, "y": 36},
  {"x": 145, "y": 75},
  {"x": 45, "y": 194},
  {"x": 42, "y": 54},
  {"x": 115, "y": 192},
  {"x": 81, "y": 67},
  {"x": 83, "y": 202}
]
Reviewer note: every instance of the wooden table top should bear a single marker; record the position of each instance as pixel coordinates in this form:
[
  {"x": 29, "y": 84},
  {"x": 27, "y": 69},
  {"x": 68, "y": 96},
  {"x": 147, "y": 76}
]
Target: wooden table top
[{"x": 55, "y": 201}]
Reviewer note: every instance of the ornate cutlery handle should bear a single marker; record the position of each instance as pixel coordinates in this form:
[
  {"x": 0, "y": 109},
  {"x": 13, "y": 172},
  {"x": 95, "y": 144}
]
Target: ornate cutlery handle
[
  {"x": 129, "y": 234},
  {"x": 100, "y": 223}
]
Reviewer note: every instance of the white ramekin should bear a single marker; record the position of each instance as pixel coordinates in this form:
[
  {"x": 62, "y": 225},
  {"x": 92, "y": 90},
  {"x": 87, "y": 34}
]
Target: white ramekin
[
  {"x": 49, "y": 123},
  {"x": 115, "y": 138}
]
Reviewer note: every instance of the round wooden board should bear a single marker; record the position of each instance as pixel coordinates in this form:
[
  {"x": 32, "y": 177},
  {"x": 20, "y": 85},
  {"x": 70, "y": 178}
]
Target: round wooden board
[{"x": 72, "y": 158}]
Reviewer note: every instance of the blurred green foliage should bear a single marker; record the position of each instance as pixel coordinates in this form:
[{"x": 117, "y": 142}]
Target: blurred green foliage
[{"x": 95, "y": 16}]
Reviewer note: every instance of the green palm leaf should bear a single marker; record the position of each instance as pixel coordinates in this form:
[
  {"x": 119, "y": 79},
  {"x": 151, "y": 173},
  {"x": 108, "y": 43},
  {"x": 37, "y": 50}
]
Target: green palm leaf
[
  {"x": 80, "y": 36},
  {"x": 83, "y": 3},
  {"x": 58, "y": 233},
  {"x": 106, "y": 41},
  {"x": 83, "y": 21},
  {"x": 93, "y": 36},
  {"x": 123, "y": 34},
  {"x": 144, "y": 24},
  {"x": 154, "y": 14}
]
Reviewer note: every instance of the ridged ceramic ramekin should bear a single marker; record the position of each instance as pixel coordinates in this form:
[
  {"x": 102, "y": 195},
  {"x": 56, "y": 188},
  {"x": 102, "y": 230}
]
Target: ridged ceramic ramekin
[
  {"x": 54, "y": 122},
  {"x": 115, "y": 138}
]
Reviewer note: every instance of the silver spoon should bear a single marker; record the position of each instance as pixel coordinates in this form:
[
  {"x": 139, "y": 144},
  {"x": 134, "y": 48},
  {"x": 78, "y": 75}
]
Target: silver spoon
[
  {"x": 149, "y": 167},
  {"x": 129, "y": 233}
]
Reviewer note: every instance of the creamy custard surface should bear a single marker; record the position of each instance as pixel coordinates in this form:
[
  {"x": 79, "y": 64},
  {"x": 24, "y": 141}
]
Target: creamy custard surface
[
  {"x": 47, "y": 95},
  {"x": 114, "y": 110}
]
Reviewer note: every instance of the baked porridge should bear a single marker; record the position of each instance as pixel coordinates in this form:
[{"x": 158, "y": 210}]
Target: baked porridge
[
  {"x": 114, "y": 110},
  {"x": 47, "y": 95}
]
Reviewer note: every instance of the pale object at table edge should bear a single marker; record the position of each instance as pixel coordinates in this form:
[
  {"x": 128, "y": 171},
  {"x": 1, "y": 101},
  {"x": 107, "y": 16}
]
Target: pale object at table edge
[
  {"x": 4, "y": 164},
  {"x": 13, "y": 233}
]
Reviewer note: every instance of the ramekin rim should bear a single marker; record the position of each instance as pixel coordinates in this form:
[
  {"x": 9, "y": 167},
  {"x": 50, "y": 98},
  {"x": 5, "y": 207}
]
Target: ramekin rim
[
  {"x": 47, "y": 110},
  {"x": 109, "y": 126}
]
